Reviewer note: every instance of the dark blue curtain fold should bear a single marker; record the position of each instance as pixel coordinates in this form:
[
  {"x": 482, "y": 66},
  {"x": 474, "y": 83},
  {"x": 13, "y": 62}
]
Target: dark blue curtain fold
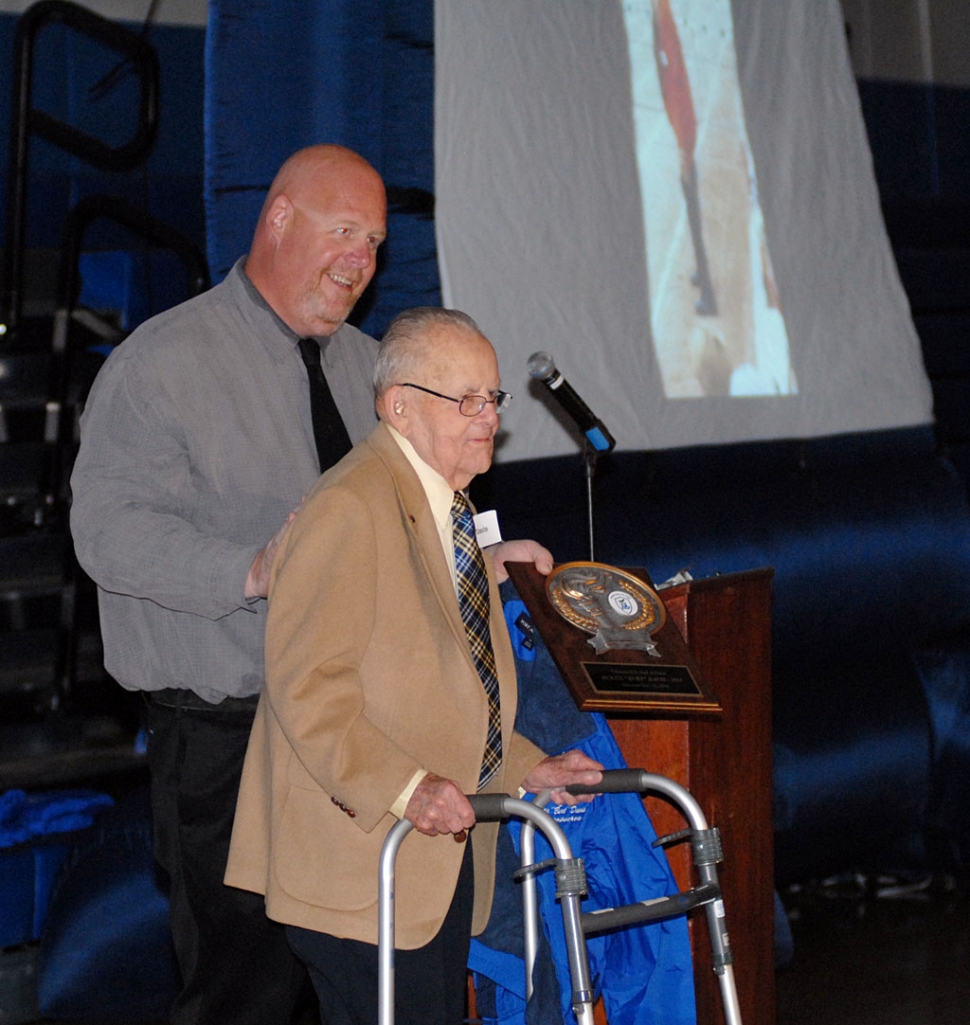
[{"x": 283, "y": 74}]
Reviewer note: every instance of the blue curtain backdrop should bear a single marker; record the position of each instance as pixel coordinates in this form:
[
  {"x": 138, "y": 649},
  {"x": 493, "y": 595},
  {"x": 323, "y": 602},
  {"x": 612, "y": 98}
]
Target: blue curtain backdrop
[{"x": 283, "y": 74}]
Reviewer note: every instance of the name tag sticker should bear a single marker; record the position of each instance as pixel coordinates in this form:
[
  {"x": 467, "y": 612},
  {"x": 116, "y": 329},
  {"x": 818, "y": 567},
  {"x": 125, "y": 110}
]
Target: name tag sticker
[{"x": 487, "y": 529}]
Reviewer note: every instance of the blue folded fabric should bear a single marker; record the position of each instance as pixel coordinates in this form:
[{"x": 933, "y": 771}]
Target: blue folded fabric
[{"x": 24, "y": 817}]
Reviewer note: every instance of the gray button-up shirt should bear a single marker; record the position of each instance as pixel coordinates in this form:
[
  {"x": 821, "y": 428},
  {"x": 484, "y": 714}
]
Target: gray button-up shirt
[{"x": 195, "y": 445}]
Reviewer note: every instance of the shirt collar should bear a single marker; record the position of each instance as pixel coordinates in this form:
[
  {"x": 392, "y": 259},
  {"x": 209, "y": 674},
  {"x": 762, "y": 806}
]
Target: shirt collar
[
  {"x": 439, "y": 491},
  {"x": 259, "y": 300}
]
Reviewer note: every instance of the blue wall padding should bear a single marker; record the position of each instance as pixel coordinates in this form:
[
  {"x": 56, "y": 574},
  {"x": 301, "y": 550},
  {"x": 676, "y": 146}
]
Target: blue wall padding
[
  {"x": 278, "y": 77},
  {"x": 852, "y": 769},
  {"x": 944, "y": 669},
  {"x": 361, "y": 75}
]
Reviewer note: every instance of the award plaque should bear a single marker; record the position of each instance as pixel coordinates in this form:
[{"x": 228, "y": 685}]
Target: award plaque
[{"x": 608, "y": 633}]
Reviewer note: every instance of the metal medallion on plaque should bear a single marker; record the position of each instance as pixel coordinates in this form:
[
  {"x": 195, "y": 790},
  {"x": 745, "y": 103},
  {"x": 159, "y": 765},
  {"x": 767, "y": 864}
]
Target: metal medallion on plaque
[{"x": 618, "y": 609}]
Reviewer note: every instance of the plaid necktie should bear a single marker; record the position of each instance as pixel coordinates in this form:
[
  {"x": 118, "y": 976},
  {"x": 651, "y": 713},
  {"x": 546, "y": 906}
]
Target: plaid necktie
[
  {"x": 329, "y": 432},
  {"x": 473, "y": 603}
]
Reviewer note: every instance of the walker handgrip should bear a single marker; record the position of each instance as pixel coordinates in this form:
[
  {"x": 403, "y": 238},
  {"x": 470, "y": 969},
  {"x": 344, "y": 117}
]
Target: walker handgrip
[
  {"x": 489, "y": 807},
  {"x": 614, "y": 781}
]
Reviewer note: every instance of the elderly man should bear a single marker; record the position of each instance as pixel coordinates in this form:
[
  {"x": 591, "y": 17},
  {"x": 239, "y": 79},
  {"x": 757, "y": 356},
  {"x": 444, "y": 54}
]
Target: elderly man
[
  {"x": 199, "y": 438},
  {"x": 385, "y": 695}
]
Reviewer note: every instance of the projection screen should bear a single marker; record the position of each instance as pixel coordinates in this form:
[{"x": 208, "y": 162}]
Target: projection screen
[{"x": 675, "y": 200}]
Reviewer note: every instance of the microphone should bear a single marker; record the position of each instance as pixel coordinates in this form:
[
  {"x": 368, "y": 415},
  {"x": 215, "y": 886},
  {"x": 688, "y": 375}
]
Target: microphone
[{"x": 543, "y": 368}]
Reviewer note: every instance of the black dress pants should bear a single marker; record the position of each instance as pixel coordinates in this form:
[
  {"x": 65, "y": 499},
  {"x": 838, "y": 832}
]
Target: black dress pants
[
  {"x": 429, "y": 983},
  {"x": 236, "y": 964}
]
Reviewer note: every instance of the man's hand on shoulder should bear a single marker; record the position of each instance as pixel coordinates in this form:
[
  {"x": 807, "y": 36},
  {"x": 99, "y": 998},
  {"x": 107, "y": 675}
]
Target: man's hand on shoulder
[
  {"x": 520, "y": 551},
  {"x": 257, "y": 581},
  {"x": 439, "y": 806}
]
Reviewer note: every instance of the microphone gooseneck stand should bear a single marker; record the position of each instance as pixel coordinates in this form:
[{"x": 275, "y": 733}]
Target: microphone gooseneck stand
[
  {"x": 596, "y": 438},
  {"x": 590, "y": 456}
]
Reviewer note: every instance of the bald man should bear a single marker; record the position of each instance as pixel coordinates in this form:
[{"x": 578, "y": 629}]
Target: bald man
[
  {"x": 387, "y": 717},
  {"x": 197, "y": 444}
]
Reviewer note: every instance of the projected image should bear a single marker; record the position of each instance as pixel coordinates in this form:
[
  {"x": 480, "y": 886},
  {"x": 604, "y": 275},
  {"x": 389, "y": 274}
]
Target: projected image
[{"x": 716, "y": 316}]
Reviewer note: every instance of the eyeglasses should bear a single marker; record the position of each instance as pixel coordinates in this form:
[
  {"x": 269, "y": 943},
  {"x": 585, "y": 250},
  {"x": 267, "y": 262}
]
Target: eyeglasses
[{"x": 469, "y": 405}]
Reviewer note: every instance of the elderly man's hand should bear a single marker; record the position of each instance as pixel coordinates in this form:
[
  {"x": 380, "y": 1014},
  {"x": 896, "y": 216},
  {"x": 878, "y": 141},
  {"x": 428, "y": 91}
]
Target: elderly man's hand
[
  {"x": 561, "y": 770},
  {"x": 520, "y": 551},
  {"x": 439, "y": 806}
]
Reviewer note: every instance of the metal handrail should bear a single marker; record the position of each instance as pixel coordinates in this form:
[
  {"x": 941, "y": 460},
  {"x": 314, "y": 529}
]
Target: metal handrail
[
  {"x": 26, "y": 121},
  {"x": 79, "y": 219},
  {"x": 139, "y": 222}
]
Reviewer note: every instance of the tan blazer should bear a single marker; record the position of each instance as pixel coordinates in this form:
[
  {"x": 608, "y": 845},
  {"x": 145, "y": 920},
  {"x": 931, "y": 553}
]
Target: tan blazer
[{"x": 368, "y": 678}]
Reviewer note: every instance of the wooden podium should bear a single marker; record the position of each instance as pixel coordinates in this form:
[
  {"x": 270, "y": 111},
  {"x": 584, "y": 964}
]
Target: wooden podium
[{"x": 725, "y": 762}]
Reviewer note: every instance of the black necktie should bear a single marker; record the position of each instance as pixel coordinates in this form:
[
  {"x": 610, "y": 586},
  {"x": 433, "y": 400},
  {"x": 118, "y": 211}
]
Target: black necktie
[{"x": 333, "y": 441}]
